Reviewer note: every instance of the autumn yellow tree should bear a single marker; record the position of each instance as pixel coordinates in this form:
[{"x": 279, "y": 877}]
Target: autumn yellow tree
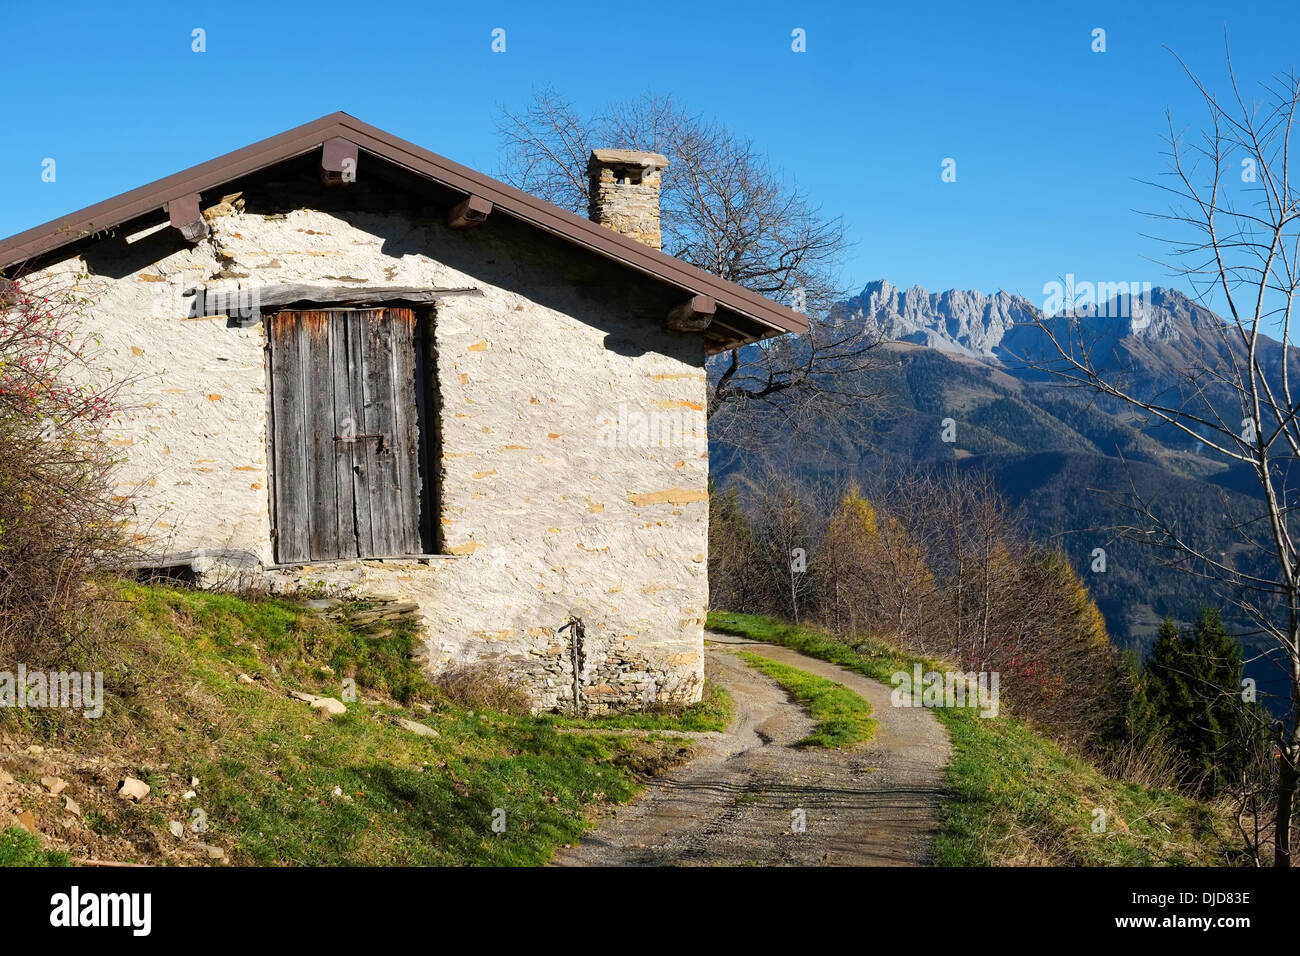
[{"x": 882, "y": 581}]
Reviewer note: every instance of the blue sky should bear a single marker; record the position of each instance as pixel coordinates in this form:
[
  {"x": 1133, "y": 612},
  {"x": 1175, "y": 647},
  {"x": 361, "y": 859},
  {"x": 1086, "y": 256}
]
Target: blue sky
[{"x": 1050, "y": 138}]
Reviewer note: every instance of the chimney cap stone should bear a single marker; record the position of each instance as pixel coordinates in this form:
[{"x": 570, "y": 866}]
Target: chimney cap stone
[{"x": 626, "y": 157}]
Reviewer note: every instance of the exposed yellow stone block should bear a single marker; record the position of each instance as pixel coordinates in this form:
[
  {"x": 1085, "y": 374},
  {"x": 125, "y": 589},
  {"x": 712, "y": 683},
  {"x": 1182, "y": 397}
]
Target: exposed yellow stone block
[
  {"x": 469, "y": 547},
  {"x": 669, "y": 496}
]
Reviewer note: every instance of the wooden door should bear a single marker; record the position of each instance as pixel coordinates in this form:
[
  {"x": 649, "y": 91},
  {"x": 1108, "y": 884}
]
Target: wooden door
[{"x": 345, "y": 434}]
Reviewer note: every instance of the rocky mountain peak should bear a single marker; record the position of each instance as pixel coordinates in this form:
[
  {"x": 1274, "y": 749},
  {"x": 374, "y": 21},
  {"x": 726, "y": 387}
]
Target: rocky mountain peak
[
  {"x": 962, "y": 321},
  {"x": 971, "y": 323}
]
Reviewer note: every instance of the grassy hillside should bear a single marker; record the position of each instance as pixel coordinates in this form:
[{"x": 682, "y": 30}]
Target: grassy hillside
[
  {"x": 1014, "y": 797},
  {"x": 279, "y": 785}
]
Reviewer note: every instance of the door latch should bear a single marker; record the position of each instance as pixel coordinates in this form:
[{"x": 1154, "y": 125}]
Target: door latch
[{"x": 381, "y": 437}]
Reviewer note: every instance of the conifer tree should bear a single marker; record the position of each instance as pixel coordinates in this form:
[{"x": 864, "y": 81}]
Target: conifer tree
[
  {"x": 1190, "y": 694},
  {"x": 1221, "y": 720}
]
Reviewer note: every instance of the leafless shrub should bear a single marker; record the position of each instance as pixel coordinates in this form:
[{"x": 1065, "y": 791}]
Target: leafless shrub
[
  {"x": 1151, "y": 764},
  {"x": 482, "y": 685},
  {"x": 61, "y": 516}
]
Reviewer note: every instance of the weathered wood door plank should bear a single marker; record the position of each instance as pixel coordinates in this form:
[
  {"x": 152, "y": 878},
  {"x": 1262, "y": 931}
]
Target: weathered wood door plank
[
  {"x": 365, "y": 536},
  {"x": 289, "y": 439},
  {"x": 346, "y": 418},
  {"x": 406, "y": 437},
  {"x": 322, "y": 450}
]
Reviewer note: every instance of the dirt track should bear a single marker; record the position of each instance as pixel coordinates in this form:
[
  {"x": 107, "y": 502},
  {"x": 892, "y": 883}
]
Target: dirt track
[{"x": 735, "y": 803}]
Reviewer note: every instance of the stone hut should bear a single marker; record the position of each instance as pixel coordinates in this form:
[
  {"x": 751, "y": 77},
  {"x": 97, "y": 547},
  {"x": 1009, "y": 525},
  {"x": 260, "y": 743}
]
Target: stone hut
[{"x": 356, "y": 366}]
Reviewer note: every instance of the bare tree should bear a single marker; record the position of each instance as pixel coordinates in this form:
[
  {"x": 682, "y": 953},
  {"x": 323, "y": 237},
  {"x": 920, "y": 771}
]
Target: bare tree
[
  {"x": 1240, "y": 244},
  {"x": 975, "y": 543},
  {"x": 736, "y": 575},
  {"x": 787, "y": 529},
  {"x": 1251, "y": 792},
  {"x": 728, "y": 212}
]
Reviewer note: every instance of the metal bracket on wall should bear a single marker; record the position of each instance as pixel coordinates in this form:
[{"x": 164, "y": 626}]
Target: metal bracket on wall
[{"x": 576, "y": 658}]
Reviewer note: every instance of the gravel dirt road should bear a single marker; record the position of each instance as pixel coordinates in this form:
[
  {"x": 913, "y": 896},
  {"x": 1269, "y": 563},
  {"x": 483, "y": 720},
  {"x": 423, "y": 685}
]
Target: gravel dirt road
[{"x": 740, "y": 800}]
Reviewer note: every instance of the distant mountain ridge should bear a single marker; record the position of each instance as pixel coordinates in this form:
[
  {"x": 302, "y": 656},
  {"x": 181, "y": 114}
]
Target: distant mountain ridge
[
  {"x": 1002, "y": 326},
  {"x": 963, "y": 322}
]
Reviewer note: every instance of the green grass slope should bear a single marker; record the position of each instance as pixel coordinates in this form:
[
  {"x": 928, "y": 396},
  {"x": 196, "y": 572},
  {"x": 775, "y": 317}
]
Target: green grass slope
[
  {"x": 843, "y": 718},
  {"x": 279, "y": 785}
]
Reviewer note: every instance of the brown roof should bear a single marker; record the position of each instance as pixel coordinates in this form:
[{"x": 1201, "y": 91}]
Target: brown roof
[{"x": 740, "y": 310}]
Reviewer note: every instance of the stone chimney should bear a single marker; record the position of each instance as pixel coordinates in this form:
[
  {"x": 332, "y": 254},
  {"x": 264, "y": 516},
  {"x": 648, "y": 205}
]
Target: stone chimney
[{"x": 624, "y": 194}]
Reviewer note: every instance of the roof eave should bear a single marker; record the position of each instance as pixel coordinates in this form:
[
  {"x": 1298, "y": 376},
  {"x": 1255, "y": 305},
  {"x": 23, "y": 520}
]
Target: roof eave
[{"x": 41, "y": 240}]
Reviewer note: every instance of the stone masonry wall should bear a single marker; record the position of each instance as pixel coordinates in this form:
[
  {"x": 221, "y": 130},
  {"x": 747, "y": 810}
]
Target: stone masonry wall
[{"x": 574, "y": 477}]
